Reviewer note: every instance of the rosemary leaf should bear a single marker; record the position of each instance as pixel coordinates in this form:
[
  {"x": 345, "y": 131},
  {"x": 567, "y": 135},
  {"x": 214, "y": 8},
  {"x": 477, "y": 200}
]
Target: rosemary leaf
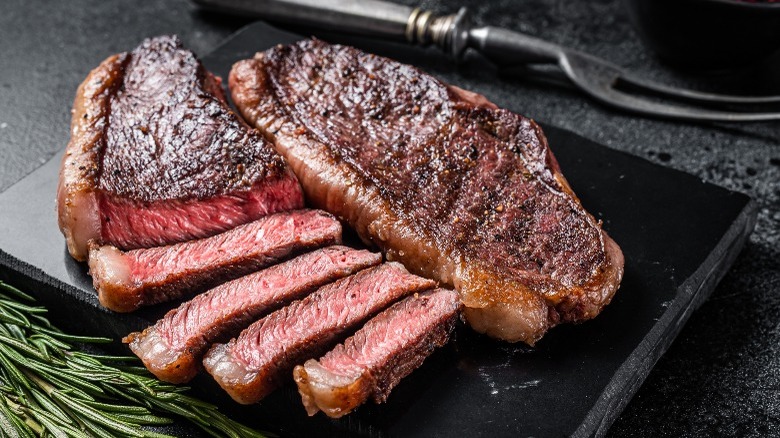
[
  {"x": 67, "y": 379},
  {"x": 108, "y": 407},
  {"x": 26, "y": 426},
  {"x": 14, "y": 375},
  {"x": 22, "y": 307},
  {"x": 51, "y": 425},
  {"x": 15, "y": 293},
  {"x": 23, "y": 348},
  {"x": 97, "y": 430},
  {"x": 43, "y": 348},
  {"x": 50, "y": 341},
  {"x": 49, "y": 389},
  {"x": 148, "y": 419},
  {"x": 102, "y": 418},
  {"x": 74, "y": 338},
  {"x": 50, "y": 406},
  {"x": 11, "y": 319},
  {"x": 100, "y": 359},
  {"x": 8, "y": 421}
]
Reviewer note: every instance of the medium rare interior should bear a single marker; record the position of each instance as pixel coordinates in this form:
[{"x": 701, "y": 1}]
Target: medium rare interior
[
  {"x": 373, "y": 361},
  {"x": 263, "y": 356},
  {"x": 128, "y": 280},
  {"x": 172, "y": 348},
  {"x": 440, "y": 179},
  {"x": 156, "y": 156}
]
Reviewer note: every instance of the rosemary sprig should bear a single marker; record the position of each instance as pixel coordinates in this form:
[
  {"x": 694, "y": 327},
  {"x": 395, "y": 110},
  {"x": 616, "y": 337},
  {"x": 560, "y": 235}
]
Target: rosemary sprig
[{"x": 49, "y": 389}]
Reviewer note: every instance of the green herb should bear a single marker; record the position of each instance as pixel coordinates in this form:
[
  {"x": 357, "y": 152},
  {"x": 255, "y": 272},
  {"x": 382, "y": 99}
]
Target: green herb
[{"x": 47, "y": 388}]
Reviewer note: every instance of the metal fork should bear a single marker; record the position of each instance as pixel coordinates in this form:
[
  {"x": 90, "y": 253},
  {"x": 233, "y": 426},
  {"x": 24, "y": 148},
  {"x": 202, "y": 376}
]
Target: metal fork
[
  {"x": 602, "y": 80},
  {"x": 454, "y": 34}
]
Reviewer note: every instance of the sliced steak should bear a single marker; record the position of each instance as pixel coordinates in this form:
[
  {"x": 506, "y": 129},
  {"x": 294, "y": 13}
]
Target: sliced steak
[
  {"x": 173, "y": 348},
  {"x": 439, "y": 178},
  {"x": 252, "y": 365},
  {"x": 156, "y": 156},
  {"x": 126, "y": 281},
  {"x": 373, "y": 361}
]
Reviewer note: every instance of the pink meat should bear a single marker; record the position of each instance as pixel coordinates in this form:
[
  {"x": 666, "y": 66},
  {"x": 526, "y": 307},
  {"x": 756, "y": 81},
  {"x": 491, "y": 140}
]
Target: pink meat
[
  {"x": 255, "y": 363},
  {"x": 132, "y": 225},
  {"x": 128, "y": 280},
  {"x": 172, "y": 348},
  {"x": 373, "y": 361}
]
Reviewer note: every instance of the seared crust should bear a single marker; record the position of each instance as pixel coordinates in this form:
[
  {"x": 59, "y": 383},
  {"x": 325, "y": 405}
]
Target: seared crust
[
  {"x": 439, "y": 178},
  {"x": 79, "y": 170},
  {"x": 172, "y": 136}
]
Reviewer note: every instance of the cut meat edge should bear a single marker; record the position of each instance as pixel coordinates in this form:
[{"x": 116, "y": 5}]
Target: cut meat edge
[
  {"x": 283, "y": 339},
  {"x": 131, "y": 225},
  {"x": 198, "y": 323},
  {"x": 126, "y": 281},
  {"x": 364, "y": 367}
]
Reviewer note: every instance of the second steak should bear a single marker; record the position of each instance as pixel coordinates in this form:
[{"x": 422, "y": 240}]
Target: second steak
[{"x": 439, "y": 178}]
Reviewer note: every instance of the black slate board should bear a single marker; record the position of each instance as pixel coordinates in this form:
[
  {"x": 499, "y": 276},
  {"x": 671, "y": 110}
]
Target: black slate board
[{"x": 679, "y": 236}]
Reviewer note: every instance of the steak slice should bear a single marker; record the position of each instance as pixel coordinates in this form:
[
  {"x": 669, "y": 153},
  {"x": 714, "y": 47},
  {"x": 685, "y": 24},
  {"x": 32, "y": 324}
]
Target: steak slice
[
  {"x": 173, "y": 347},
  {"x": 439, "y": 178},
  {"x": 254, "y": 364},
  {"x": 156, "y": 156},
  {"x": 126, "y": 281},
  {"x": 373, "y": 361}
]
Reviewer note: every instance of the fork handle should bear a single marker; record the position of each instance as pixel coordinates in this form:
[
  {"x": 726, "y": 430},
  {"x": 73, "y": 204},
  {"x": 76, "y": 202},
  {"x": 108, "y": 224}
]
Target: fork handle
[
  {"x": 382, "y": 19},
  {"x": 506, "y": 47}
]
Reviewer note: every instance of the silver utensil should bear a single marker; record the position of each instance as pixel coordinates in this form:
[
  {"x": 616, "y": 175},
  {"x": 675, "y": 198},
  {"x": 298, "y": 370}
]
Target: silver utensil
[{"x": 454, "y": 34}]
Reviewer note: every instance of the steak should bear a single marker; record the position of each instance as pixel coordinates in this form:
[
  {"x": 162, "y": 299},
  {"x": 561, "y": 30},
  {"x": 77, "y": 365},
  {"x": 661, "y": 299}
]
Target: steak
[
  {"x": 156, "y": 156},
  {"x": 252, "y": 365},
  {"x": 439, "y": 178},
  {"x": 373, "y": 361},
  {"x": 172, "y": 348},
  {"x": 128, "y": 280}
]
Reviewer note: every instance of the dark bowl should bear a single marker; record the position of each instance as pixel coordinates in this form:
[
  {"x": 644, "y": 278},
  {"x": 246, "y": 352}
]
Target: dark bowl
[{"x": 708, "y": 34}]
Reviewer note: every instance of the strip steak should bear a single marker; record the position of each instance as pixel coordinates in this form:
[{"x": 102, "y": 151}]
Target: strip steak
[
  {"x": 156, "y": 156},
  {"x": 439, "y": 178}
]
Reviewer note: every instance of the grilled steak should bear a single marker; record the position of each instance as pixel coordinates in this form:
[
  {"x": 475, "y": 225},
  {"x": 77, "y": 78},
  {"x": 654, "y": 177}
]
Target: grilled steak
[
  {"x": 172, "y": 348},
  {"x": 156, "y": 156},
  {"x": 387, "y": 349},
  {"x": 126, "y": 281},
  {"x": 252, "y": 365},
  {"x": 439, "y": 178}
]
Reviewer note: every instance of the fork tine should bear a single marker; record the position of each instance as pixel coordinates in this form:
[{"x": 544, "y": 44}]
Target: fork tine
[
  {"x": 619, "y": 99},
  {"x": 597, "y": 78},
  {"x": 692, "y": 95}
]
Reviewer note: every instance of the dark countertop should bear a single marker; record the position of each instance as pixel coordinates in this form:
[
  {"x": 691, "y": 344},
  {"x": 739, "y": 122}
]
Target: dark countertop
[{"x": 720, "y": 377}]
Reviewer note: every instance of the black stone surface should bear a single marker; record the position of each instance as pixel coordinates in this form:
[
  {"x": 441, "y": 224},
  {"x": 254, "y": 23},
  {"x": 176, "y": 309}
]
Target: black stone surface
[{"x": 719, "y": 377}]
